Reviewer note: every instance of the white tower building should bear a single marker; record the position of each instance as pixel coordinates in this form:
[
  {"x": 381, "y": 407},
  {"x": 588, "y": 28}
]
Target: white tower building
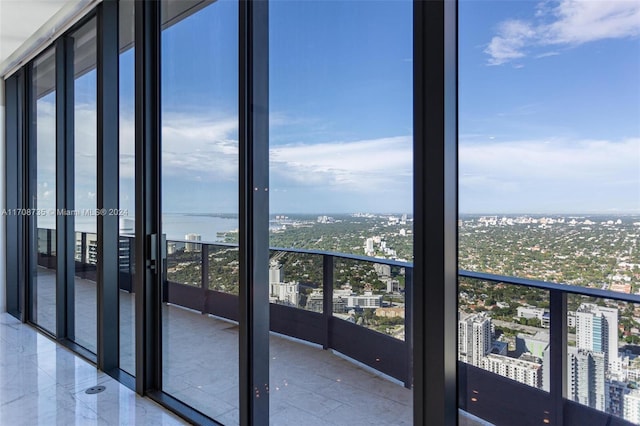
[
  {"x": 597, "y": 331},
  {"x": 474, "y": 338}
]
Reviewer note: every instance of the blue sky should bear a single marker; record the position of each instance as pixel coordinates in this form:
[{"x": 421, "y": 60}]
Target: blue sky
[{"x": 549, "y": 107}]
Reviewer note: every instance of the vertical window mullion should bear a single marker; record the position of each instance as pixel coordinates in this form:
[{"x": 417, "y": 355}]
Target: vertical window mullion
[
  {"x": 22, "y": 195},
  {"x": 107, "y": 188},
  {"x": 12, "y": 192},
  {"x": 254, "y": 213},
  {"x": 29, "y": 176},
  {"x": 148, "y": 276},
  {"x": 65, "y": 240},
  {"x": 435, "y": 212}
]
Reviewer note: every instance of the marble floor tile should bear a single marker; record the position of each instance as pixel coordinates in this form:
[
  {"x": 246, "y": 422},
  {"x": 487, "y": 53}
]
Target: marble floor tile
[{"x": 42, "y": 383}]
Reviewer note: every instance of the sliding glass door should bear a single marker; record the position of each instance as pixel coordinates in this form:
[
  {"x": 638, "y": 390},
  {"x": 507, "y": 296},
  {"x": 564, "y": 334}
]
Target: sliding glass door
[
  {"x": 199, "y": 87},
  {"x": 85, "y": 185},
  {"x": 42, "y": 153}
]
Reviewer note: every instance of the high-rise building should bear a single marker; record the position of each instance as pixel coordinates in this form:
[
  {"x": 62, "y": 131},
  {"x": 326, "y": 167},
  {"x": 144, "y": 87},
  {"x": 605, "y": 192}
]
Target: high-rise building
[
  {"x": 597, "y": 331},
  {"x": 284, "y": 293},
  {"x": 614, "y": 397},
  {"x": 631, "y": 406},
  {"x": 171, "y": 248},
  {"x": 586, "y": 374},
  {"x": 368, "y": 246},
  {"x": 474, "y": 338},
  {"x": 276, "y": 272},
  {"x": 192, "y": 247},
  {"x": 524, "y": 370}
]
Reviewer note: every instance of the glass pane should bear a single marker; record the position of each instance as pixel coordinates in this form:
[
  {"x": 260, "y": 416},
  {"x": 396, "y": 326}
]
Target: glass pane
[
  {"x": 127, "y": 188},
  {"x": 549, "y": 141},
  {"x": 340, "y": 140},
  {"x": 371, "y": 295},
  {"x": 223, "y": 268},
  {"x": 296, "y": 280},
  {"x": 85, "y": 186},
  {"x": 603, "y": 367},
  {"x": 503, "y": 353},
  {"x": 184, "y": 263},
  {"x": 504, "y": 329},
  {"x": 549, "y": 148},
  {"x": 200, "y": 206},
  {"x": 43, "y": 175}
]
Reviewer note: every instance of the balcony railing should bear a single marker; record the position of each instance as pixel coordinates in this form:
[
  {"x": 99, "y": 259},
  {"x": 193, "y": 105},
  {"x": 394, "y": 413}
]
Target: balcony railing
[
  {"x": 501, "y": 400},
  {"x": 489, "y": 396}
]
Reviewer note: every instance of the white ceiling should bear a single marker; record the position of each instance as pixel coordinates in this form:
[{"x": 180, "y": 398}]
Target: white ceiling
[{"x": 26, "y": 26}]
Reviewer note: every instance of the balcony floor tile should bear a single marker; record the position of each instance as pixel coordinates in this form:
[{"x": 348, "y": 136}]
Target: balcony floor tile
[{"x": 308, "y": 385}]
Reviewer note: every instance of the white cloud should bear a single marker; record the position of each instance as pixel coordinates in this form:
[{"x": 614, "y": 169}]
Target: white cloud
[
  {"x": 582, "y": 21},
  {"x": 547, "y": 54},
  {"x": 564, "y": 23},
  {"x": 85, "y": 145},
  {"x": 366, "y": 165},
  {"x": 551, "y": 172},
  {"x": 513, "y": 36},
  {"x": 586, "y": 160},
  {"x": 127, "y": 147},
  {"x": 197, "y": 146},
  {"x": 200, "y": 148}
]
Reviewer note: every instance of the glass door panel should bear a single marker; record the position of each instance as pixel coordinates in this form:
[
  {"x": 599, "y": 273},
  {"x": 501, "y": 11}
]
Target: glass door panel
[
  {"x": 341, "y": 173},
  {"x": 200, "y": 164},
  {"x": 85, "y": 182},
  {"x": 126, "y": 257},
  {"x": 43, "y": 192}
]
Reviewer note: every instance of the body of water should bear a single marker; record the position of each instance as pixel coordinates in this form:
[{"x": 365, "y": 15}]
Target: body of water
[{"x": 176, "y": 226}]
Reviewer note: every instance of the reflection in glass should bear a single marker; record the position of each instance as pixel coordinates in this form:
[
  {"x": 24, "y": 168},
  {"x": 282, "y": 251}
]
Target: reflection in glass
[
  {"x": 85, "y": 181},
  {"x": 126, "y": 134},
  {"x": 43, "y": 175},
  {"x": 200, "y": 206}
]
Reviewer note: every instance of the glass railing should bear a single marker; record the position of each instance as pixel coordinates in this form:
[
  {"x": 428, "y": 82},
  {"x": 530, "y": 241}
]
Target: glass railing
[
  {"x": 352, "y": 304},
  {"x": 538, "y": 350},
  {"x": 571, "y": 354}
]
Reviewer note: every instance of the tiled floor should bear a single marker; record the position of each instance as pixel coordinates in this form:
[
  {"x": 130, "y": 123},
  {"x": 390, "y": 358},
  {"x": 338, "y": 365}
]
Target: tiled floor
[
  {"x": 42, "y": 383},
  {"x": 308, "y": 385}
]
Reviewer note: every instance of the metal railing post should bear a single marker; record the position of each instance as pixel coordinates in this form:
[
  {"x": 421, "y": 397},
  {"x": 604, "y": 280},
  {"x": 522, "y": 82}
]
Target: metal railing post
[
  {"x": 204, "y": 283},
  {"x": 558, "y": 354},
  {"x": 408, "y": 325},
  {"x": 132, "y": 258},
  {"x": 83, "y": 249},
  {"x": 327, "y": 297},
  {"x": 48, "y": 247}
]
